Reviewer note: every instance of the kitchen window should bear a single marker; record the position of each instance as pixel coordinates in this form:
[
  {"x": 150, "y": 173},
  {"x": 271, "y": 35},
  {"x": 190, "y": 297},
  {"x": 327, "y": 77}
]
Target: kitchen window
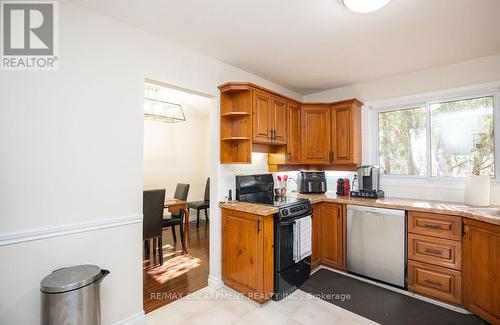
[{"x": 441, "y": 139}]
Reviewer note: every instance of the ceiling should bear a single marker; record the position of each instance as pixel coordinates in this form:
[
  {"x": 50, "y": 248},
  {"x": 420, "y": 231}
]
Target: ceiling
[
  {"x": 313, "y": 45},
  {"x": 192, "y": 104}
]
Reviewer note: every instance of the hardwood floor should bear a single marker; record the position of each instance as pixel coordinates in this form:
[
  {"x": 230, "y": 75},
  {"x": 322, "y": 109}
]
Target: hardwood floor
[{"x": 180, "y": 273}]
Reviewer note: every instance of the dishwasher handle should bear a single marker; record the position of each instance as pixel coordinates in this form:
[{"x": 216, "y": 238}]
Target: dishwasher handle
[{"x": 367, "y": 209}]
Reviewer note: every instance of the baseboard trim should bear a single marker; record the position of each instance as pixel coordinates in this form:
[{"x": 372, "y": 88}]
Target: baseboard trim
[
  {"x": 137, "y": 319},
  {"x": 43, "y": 233},
  {"x": 215, "y": 282}
]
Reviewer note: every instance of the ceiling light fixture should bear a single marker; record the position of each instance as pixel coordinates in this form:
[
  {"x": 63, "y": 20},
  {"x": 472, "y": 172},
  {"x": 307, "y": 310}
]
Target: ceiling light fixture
[
  {"x": 159, "y": 110},
  {"x": 364, "y": 6}
]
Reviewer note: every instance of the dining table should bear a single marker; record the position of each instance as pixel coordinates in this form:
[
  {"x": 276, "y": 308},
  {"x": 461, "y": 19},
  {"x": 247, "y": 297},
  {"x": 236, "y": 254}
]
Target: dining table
[{"x": 173, "y": 206}]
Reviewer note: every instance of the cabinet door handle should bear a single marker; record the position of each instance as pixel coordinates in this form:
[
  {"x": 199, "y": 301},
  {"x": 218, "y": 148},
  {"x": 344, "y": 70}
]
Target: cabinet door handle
[
  {"x": 432, "y": 225},
  {"x": 258, "y": 226},
  {"x": 433, "y": 251},
  {"x": 289, "y": 155},
  {"x": 330, "y": 156},
  {"x": 437, "y": 283}
]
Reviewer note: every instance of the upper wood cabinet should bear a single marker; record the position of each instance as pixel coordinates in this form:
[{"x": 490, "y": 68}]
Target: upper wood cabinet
[
  {"x": 316, "y": 134},
  {"x": 293, "y": 134},
  {"x": 346, "y": 133},
  {"x": 256, "y": 119},
  {"x": 278, "y": 120},
  {"x": 247, "y": 253},
  {"x": 481, "y": 272},
  {"x": 269, "y": 118},
  {"x": 332, "y": 235},
  {"x": 235, "y": 126},
  {"x": 331, "y": 134},
  {"x": 262, "y": 117}
]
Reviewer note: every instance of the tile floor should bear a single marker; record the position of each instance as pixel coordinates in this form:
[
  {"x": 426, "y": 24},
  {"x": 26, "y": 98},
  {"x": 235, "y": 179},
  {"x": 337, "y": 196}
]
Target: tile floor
[{"x": 225, "y": 306}]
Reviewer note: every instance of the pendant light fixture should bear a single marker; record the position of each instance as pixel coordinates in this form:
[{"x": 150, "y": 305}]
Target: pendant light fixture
[
  {"x": 160, "y": 110},
  {"x": 364, "y": 6}
]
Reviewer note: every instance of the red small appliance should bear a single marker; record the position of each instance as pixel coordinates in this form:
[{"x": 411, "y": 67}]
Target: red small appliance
[{"x": 343, "y": 186}]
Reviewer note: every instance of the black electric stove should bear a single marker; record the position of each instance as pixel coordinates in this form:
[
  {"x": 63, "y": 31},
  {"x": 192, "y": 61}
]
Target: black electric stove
[
  {"x": 277, "y": 201},
  {"x": 289, "y": 274}
]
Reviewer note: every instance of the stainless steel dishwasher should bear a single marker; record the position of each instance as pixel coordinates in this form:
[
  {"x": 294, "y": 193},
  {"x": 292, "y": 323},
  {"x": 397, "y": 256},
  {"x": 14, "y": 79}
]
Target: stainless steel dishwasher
[{"x": 376, "y": 243}]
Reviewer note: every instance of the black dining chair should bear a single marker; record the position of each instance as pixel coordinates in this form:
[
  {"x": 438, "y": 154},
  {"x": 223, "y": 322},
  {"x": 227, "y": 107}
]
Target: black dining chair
[
  {"x": 152, "y": 228},
  {"x": 171, "y": 220},
  {"x": 202, "y": 205},
  {"x": 174, "y": 221}
]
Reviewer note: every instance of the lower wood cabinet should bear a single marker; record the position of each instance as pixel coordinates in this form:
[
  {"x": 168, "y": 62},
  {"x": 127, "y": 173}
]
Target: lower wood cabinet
[
  {"x": 481, "y": 273},
  {"x": 247, "y": 253},
  {"x": 437, "y": 282},
  {"x": 436, "y": 225},
  {"x": 437, "y": 251},
  {"x": 316, "y": 234},
  {"x": 332, "y": 236}
]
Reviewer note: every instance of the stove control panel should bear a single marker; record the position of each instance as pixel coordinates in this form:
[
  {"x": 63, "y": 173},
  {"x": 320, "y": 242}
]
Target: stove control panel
[{"x": 295, "y": 210}]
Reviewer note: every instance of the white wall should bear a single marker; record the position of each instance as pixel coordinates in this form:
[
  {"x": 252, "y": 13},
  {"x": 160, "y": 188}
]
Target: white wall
[
  {"x": 71, "y": 148},
  {"x": 177, "y": 153},
  {"x": 415, "y": 85},
  {"x": 469, "y": 72}
]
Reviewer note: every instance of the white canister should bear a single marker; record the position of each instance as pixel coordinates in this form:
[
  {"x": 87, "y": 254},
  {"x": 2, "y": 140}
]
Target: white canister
[{"x": 477, "y": 190}]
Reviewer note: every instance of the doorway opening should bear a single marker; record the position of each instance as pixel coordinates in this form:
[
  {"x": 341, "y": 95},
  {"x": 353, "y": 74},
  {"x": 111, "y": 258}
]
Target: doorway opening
[{"x": 177, "y": 158}]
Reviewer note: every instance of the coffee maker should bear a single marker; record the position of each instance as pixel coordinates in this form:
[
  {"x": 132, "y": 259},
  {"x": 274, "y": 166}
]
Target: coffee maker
[{"x": 368, "y": 183}]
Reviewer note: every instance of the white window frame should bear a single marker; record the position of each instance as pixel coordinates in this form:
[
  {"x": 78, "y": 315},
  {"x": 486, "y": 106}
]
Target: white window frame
[{"x": 371, "y": 126}]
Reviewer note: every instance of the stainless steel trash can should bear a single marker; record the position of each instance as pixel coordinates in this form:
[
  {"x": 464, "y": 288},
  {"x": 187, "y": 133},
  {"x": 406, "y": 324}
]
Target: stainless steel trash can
[{"x": 71, "y": 296}]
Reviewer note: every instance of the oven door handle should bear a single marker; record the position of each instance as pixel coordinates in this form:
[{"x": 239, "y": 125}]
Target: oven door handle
[{"x": 288, "y": 223}]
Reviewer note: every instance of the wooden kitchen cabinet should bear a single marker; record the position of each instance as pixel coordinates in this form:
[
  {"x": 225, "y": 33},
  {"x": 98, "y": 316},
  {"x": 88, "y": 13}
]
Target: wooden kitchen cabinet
[
  {"x": 278, "y": 120},
  {"x": 269, "y": 118},
  {"x": 316, "y": 235},
  {"x": 293, "y": 134},
  {"x": 316, "y": 134},
  {"x": 435, "y": 225},
  {"x": 261, "y": 117},
  {"x": 481, "y": 272},
  {"x": 247, "y": 253},
  {"x": 332, "y": 235},
  {"x": 327, "y": 134},
  {"x": 346, "y": 133},
  {"x": 435, "y": 256},
  {"x": 235, "y": 126},
  {"x": 434, "y": 281},
  {"x": 331, "y": 134},
  {"x": 436, "y": 251}
]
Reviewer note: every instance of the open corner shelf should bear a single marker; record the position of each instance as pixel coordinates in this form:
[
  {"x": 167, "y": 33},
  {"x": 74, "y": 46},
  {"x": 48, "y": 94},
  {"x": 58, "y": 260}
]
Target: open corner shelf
[
  {"x": 235, "y": 114},
  {"x": 236, "y": 125}
]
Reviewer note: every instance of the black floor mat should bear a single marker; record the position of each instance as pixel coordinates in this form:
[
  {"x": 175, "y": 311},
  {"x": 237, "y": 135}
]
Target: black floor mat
[{"x": 381, "y": 305}]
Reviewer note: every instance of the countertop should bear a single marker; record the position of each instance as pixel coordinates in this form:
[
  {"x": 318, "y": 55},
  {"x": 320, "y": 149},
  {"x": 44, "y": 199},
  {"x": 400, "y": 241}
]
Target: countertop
[{"x": 443, "y": 207}]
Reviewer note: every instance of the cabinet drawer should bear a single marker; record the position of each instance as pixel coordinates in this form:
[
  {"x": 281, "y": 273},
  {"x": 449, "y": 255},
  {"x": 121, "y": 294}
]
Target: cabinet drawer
[
  {"x": 435, "y": 281},
  {"x": 442, "y": 252},
  {"x": 437, "y": 225}
]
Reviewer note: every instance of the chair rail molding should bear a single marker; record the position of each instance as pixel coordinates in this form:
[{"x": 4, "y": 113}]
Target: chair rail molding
[{"x": 63, "y": 230}]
